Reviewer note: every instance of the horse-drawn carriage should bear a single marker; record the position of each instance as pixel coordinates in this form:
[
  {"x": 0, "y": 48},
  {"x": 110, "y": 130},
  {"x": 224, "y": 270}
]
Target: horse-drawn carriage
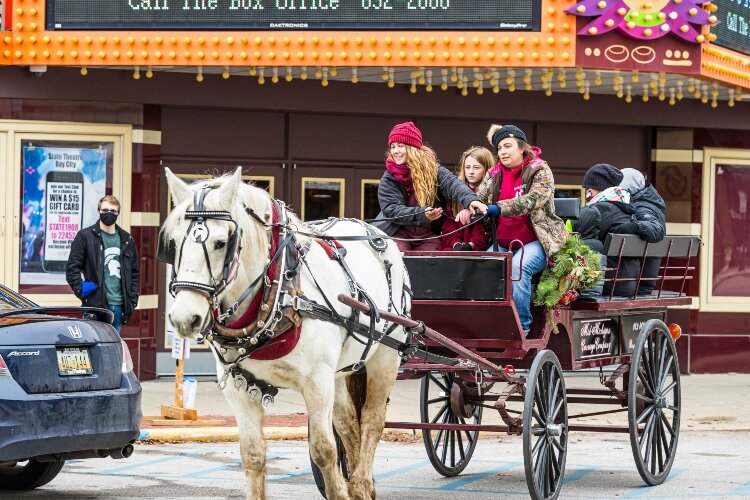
[
  {"x": 466, "y": 297},
  {"x": 262, "y": 288}
]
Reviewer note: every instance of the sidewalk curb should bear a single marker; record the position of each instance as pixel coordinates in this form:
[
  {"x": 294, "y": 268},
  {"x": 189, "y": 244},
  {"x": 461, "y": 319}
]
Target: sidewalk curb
[
  {"x": 215, "y": 434},
  {"x": 231, "y": 434}
]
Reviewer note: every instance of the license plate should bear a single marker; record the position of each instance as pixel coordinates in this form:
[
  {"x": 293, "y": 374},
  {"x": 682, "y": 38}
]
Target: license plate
[{"x": 74, "y": 361}]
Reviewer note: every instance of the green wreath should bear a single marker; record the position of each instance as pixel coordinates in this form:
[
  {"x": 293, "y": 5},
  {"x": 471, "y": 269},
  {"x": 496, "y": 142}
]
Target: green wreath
[{"x": 573, "y": 269}]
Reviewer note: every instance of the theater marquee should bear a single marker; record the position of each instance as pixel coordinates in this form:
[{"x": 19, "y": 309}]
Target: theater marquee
[{"x": 504, "y": 15}]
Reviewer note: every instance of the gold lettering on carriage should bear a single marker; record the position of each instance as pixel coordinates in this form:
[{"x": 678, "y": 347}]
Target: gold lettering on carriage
[{"x": 597, "y": 338}]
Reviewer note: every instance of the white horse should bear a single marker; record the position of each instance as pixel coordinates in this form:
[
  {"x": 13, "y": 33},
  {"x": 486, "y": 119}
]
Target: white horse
[{"x": 214, "y": 264}]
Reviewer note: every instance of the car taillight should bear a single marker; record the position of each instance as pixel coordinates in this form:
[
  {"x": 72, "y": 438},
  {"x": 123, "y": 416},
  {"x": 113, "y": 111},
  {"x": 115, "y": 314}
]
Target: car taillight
[
  {"x": 127, "y": 361},
  {"x": 4, "y": 372}
]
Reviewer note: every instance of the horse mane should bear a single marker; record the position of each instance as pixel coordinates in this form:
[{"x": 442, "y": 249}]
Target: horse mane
[{"x": 251, "y": 196}]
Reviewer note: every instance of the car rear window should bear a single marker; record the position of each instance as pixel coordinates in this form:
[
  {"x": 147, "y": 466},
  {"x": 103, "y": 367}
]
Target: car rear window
[
  {"x": 4, "y": 304},
  {"x": 10, "y": 300}
]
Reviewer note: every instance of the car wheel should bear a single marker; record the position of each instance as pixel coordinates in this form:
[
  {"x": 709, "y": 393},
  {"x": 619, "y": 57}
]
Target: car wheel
[{"x": 29, "y": 475}]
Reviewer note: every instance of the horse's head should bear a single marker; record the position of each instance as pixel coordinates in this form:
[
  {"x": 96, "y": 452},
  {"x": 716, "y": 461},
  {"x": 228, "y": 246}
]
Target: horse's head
[{"x": 202, "y": 238}]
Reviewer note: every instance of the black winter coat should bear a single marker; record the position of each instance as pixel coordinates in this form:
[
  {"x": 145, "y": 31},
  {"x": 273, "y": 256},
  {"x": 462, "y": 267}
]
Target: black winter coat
[
  {"x": 594, "y": 224},
  {"x": 393, "y": 200},
  {"x": 649, "y": 214},
  {"x": 651, "y": 225},
  {"x": 87, "y": 258}
]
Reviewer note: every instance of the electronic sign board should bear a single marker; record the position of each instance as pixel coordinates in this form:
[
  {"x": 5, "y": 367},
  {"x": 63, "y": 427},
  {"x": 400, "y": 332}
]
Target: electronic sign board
[
  {"x": 733, "y": 30},
  {"x": 500, "y": 15}
]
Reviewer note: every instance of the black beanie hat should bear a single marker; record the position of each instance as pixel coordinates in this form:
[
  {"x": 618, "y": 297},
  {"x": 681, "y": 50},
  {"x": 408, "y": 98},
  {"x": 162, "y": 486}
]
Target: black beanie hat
[
  {"x": 602, "y": 176},
  {"x": 497, "y": 133}
]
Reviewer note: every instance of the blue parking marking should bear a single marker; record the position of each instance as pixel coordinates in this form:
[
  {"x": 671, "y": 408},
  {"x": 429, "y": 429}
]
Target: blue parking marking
[
  {"x": 232, "y": 465},
  {"x": 203, "y": 472},
  {"x": 401, "y": 470},
  {"x": 642, "y": 490},
  {"x": 578, "y": 474},
  {"x": 743, "y": 490},
  {"x": 460, "y": 483},
  {"x": 117, "y": 470},
  {"x": 290, "y": 475}
]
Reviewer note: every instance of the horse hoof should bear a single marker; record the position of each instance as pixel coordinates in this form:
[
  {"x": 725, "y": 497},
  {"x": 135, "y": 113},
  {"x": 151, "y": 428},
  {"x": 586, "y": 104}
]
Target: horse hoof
[{"x": 363, "y": 490}]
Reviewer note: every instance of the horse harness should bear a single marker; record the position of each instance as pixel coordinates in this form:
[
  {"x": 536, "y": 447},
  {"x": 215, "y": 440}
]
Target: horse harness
[{"x": 273, "y": 319}]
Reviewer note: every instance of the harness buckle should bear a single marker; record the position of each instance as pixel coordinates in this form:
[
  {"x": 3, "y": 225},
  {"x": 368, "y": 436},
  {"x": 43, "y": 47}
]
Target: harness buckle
[
  {"x": 267, "y": 400},
  {"x": 254, "y": 392},
  {"x": 240, "y": 383},
  {"x": 358, "y": 365},
  {"x": 300, "y": 304}
]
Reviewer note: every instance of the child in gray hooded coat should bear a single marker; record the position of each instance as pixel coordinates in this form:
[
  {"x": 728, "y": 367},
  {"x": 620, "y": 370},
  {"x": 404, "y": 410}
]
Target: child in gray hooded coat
[{"x": 648, "y": 221}]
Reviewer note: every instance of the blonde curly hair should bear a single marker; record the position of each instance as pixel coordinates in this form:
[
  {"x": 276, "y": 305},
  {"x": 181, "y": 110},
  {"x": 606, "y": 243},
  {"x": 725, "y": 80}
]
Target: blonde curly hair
[{"x": 423, "y": 165}]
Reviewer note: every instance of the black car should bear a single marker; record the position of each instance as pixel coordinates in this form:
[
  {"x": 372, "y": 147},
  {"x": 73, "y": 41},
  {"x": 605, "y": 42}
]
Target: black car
[{"x": 67, "y": 390}]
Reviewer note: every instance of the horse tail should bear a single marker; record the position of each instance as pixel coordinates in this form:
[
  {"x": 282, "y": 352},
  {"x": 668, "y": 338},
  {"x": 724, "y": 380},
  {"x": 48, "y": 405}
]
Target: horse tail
[{"x": 356, "y": 383}]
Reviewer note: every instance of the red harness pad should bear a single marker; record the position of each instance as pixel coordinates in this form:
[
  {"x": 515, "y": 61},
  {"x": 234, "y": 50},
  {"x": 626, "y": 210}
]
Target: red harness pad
[
  {"x": 278, "y": 347},
  {"x": 329, "y": 246}
]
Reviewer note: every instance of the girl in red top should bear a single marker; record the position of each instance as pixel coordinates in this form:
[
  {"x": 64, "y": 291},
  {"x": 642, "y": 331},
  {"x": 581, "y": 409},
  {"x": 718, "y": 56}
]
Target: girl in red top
[{"x": 474, "y": 165}]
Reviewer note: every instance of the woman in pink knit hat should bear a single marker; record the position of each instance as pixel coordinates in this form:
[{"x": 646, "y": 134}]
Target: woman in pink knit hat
[{"x": 415, "y": 189}]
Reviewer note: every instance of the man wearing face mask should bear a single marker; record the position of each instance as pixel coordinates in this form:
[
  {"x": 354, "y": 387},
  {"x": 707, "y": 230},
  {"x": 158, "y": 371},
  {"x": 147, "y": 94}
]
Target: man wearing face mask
[{"x": 103, "y": 265}]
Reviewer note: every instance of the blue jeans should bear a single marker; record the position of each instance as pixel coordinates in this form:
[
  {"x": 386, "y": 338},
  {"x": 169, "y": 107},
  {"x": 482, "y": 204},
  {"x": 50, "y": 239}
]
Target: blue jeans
[
  {"x": 117, "y": 321},
  {"x": 534, "y": 261}
]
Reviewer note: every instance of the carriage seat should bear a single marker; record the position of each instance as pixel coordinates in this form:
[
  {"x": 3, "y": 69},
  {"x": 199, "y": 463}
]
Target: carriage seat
[
  {"x": 477, "y": 276},
  {"x": 568, "y": 208},
  {"x": 675, "y": 252}
]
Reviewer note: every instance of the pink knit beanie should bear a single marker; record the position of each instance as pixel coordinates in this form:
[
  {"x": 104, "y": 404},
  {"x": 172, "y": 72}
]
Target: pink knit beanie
[{"x": 406, "y": 133}]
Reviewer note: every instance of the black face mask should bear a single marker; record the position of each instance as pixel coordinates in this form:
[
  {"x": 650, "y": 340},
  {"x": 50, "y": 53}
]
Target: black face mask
[{"x": 108, "y": 218}]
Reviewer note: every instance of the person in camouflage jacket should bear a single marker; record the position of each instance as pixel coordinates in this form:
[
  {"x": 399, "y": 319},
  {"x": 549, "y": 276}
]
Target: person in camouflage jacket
[
  {"x": 521, "y": 189},
  {"x": 537, "y": 200}
]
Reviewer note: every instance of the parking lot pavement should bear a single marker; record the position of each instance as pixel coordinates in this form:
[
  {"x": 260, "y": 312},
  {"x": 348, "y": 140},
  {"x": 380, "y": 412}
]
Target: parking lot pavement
[
  {"x": 599, "y": 466},
  {"x": 709, "y": 402}
]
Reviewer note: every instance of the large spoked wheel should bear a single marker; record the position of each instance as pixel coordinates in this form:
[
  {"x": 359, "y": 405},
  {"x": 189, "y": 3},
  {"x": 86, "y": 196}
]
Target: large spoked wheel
[
  {"x": 654, "y": 402},
  {"x": 343, "y": 464},
  {"x": 545, "y": 427},
  {"x": 449, "y": 451}
]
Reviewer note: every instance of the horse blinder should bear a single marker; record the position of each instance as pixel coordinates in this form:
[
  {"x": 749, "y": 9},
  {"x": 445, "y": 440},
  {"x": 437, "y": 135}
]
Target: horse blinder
[{"x": 166, "y": 251}]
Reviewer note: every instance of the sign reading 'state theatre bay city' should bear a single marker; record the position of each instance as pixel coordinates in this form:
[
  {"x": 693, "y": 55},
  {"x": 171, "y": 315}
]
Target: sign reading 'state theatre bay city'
[
  {"x": 513, "y": 15},
  {"x": 733, "y": 30}
]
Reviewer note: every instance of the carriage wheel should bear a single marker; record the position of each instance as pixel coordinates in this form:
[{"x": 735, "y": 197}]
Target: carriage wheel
[
  {"x": 342, "y": 461},
  {"x": 545, "y": 427},
  {"x": 654, "y": 402},
  {"x": 448, "y": 450}
]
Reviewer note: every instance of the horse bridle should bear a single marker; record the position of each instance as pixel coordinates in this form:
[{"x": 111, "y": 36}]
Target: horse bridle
[{"x": 198, "y": 232}]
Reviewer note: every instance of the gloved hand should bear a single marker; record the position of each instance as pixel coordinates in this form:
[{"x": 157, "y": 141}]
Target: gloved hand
[
  {"x": 88, "y": 288},
  {"x": 493, "y": 210},
  {"x": 627, "y": 228},
  {"x": 462, "y": 247}
]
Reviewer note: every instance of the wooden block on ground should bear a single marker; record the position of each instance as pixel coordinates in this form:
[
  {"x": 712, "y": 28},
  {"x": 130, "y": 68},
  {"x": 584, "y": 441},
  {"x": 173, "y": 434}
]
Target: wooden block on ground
[{"x": 177, "y": 413}]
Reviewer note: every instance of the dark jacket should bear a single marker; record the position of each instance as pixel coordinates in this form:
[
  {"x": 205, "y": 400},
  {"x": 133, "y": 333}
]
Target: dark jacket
[
  {"x": 393, "y": 200},
  {"x": 594, "y": 224},
  {"x": 649, "y": 214},
  {"x": 650, "y": 224},
  {"x": 87, "y": 258}
]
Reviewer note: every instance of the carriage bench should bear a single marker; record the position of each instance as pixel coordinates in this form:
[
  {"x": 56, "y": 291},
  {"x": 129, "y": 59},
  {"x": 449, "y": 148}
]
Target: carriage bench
[{"x": 675, "y": 270}]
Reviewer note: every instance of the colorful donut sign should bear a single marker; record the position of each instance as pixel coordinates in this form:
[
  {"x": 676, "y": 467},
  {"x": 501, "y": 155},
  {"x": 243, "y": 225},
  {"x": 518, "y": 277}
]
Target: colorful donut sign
[
  {"x": 616, "y": 51},
  {"x": 645, "y": 19}
]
